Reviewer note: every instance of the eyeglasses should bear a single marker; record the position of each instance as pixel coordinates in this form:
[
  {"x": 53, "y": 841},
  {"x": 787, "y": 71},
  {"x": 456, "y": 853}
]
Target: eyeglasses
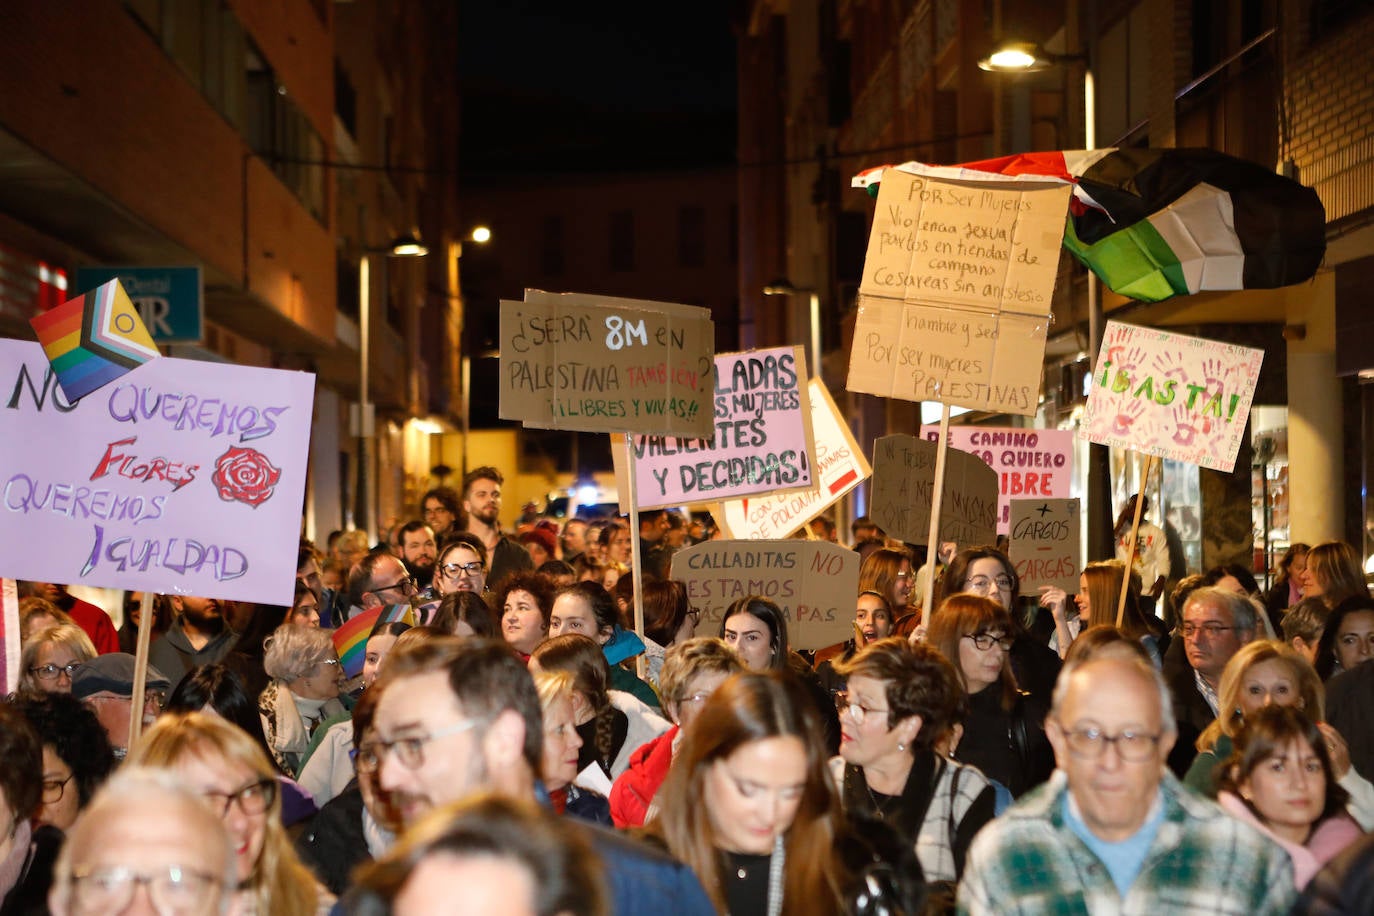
[
  {"x": 409, "y": 751},
  {"x": 53, "y": 789},
  {"x": 1090, "y": 742},
  {"x": 432, "y": 511},
  {"x": 327, "y": 662},
  {"x": 406, "y": 585},
  {"x": 174, "y": 890},
  {"x": 252, "y": 799},
  {"x": 155, "y": 699},
  {"x": 52, "y": 672},
  {"x": 857, "y": 713},
  {"x": 985, "y": 641},
  {"x": 457, "y": 569},
  {"x": 986, "y": 583},
  {"x": 1213, "y": 630},
  {"x": 699, "y": 697}
]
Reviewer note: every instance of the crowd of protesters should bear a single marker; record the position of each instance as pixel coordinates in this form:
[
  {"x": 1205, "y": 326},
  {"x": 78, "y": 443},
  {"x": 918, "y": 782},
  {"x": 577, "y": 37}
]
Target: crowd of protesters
[{"x": 462, "y": 719}]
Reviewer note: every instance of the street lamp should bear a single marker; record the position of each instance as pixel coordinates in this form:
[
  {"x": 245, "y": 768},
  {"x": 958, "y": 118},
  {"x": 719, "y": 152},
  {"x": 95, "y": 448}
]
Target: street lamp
[
  {"x": 403, "y": 246},
  {"x": 785, "y": 288}
]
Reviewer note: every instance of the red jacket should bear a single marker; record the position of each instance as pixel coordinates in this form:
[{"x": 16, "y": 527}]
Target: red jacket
[
  {"x": 634, "y": 789},
  {"x": 97, "y": 625}
]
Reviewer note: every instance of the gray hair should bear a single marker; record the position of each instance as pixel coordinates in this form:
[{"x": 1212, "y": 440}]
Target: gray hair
[
  {"x": 1168, "y": 725},
  {"x": 138, "y": 787},
  {"x": 1241, "y": 609},
  {"x": 291, "y": 651}
]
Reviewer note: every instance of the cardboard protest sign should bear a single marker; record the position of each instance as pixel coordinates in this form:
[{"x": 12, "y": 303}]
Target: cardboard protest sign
[
  {"x": 814, "y": 582},
  {"x": 903, "y": 491},
  {"x": 1044, "y": 545},
  {"x": 762, "y": 442},
  {"x": 1029, "y": 462},
  {"x": 181, "y": 477},
  {"x": 1171, "y": 395},
  {"x": 602, "y": 364},
  {"x": 840, "y": 467},
  {"x": 956, "y": 290}
]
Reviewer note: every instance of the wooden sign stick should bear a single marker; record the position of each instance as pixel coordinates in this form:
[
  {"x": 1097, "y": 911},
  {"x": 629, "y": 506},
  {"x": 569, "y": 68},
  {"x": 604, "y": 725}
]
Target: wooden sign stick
[
  {"x": 636, "y": 554},
  {"x": 936, "y": 498},
  {"x": 1130, "y": 542},
  {"x": 145, "y": 632}
]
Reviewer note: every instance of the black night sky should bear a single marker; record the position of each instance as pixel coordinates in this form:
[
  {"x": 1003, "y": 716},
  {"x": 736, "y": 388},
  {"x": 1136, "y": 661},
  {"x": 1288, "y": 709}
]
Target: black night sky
[{"x": 601, "y": 85}]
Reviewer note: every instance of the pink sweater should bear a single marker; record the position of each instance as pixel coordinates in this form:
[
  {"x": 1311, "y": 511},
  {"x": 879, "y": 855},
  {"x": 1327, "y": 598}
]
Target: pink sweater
[{"x": 1325, "y": 842}]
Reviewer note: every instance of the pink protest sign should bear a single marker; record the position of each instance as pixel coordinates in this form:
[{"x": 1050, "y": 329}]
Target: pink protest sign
[
  {"x": 763, "y": 441},
  {"x": 1171, "y": 395},
  {"x": 1030, "y": 463},
  {"x": 181, "y": 477}
]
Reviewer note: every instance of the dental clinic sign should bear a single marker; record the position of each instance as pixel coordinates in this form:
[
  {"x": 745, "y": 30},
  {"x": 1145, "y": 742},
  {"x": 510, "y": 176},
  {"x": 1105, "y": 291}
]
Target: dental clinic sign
[{"x": 181, "y": 477}]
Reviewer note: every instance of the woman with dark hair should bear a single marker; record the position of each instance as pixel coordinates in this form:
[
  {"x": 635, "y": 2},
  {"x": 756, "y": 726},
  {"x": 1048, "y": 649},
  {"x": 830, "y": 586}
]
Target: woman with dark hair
[
  {"x": 613, "y": 724},
  {"x": 1287, "y": 589},
  {"x": 305, "y": 606},
  {"x": 524, "y": 601},
  {"x": 1004, "y": 734},
  {"x": 246, "y": 658},
  {"x": 987, "y": 571},
  {"x": 76, "y": 754},
  {"x": 219, "y": 689},
  {"x": 1233, "y": 577},
  {"x": 133, "y": 612},
  {"x": 1099, "y": 593},
  {"x": 1333, "y": 574},
  {"x": 27, "y": 853},
  {"x": 587, "y": 609},
  {"x": 756, "y": 628},
  {"x": 902, "y": 702},
  {"x": 1279, "y": 780},
  {"x": 465, "y": 614},
  {"x": 1348, "y": 639},
  {"x": 669, "y": 619},
  {"x": 749, "y": 806}
]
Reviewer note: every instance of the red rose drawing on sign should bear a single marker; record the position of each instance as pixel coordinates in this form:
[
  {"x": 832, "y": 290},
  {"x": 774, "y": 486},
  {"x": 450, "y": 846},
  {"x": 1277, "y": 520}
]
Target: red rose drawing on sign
[{"x": 245, "y": 475}]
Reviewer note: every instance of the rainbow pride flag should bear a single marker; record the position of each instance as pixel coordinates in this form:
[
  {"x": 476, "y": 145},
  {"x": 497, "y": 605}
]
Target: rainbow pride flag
[
  {"x": 94, "y": 339},
  {"x": 350, "y": 639}
]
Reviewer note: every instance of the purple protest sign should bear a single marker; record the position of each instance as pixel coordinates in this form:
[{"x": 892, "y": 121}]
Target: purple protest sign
[
  {"x": 182, "y": 477},
  {"x": 763, "y": 440}
]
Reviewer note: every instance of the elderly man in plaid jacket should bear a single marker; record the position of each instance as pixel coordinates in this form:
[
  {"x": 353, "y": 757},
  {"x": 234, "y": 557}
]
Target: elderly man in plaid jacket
[{"x": 1113, "y": 831}]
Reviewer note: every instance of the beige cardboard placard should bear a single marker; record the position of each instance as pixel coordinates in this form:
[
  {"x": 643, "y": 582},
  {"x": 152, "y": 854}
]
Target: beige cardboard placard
[
  {"x": 904, "y": 486},
  {"x": 990, "y": 246},
  {"x": 1044, "y": 546},
  {"x": 601, "y": 364},
  {"x": 814, "y": 582},
  {"x": 762, "y": 440},
  {"x": 840, "y": 467},
  {"x": 956, "y": 291}
]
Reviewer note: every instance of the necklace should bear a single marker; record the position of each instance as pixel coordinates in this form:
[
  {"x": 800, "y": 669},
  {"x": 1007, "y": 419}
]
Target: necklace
[{"x": 878, "y": 806}]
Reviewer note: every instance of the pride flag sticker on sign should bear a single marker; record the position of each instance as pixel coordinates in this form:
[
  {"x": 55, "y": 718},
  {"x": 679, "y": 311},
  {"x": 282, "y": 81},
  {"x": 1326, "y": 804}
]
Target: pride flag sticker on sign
[{"x": 94, "y": 339}]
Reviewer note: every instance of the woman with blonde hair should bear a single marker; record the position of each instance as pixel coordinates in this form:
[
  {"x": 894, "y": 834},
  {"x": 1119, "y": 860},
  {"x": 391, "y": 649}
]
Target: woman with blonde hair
[
  {"x": 1333, "y": 573},
  {"x": 222, "y": 764},
  {"x": 51, "y": 656},
  {"x": 561, "y": 746},
  {"x": 888, "y": 572}
]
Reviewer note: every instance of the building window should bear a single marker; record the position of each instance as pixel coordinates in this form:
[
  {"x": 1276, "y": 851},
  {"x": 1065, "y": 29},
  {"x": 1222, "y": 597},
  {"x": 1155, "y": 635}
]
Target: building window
[
  {"x": 691, "y": 237},
  {"x": 278, "y": 131},
  {"x": 622, "y": 240},
  {"x": 345, "y": 100},
  {"x": 551, "y": 247}
]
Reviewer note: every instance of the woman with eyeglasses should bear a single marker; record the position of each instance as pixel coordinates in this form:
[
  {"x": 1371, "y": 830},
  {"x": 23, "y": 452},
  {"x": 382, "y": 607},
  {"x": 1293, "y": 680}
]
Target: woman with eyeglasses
[
  {"x": 27, "y": 850},
  {"x": 692, "y": 670},
  {"x": 987, "y": 571},
  {"x": 462, "y": 566},
  {"x": 304, "y": 691},
  {"x": 223, "y": 765},
  {"x": 750, "y": 807},
  {"x": 1279, "y": 779},
  {"x": 51, "y": 656},
  {"x": 76, "y": 754},
  {"x": 1004, "y": 734},
  {"x": 902, "y": 703}
]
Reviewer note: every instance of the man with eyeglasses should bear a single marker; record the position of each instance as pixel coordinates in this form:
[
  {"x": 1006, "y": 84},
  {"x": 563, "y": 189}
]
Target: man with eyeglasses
[
  {"x": 459, "y": 717},
  {"x": 106, "y": 685},
  {"x": 146, "y": 844},
  {"x": 379, "y": 579},
  {"x": 1214, "y": 625},
  {"x": 1113, "y": 831}
]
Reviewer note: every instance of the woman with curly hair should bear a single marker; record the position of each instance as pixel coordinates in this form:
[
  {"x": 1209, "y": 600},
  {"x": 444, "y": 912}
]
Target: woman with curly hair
[
  {"x": 524, "y": 602},
  {"x": 76, "y": 754},
  {"x": 226, "y": 767},
  {"x": 612, "y": 724}
]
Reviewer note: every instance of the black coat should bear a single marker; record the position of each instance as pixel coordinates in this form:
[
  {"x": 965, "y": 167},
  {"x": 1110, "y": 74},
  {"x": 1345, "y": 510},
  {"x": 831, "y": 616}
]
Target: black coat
[
  {"x": 333, "y": 843},
  {"x": 1350, "y": 709},
  {"x": 29, "y": 896}
]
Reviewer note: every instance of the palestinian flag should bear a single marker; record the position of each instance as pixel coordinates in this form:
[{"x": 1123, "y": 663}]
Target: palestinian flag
[{"x": 1156, "y": 223}]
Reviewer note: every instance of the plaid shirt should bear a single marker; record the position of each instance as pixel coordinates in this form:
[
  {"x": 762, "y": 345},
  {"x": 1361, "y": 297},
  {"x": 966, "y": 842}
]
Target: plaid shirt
[{"x": 1201, "y": 861}]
